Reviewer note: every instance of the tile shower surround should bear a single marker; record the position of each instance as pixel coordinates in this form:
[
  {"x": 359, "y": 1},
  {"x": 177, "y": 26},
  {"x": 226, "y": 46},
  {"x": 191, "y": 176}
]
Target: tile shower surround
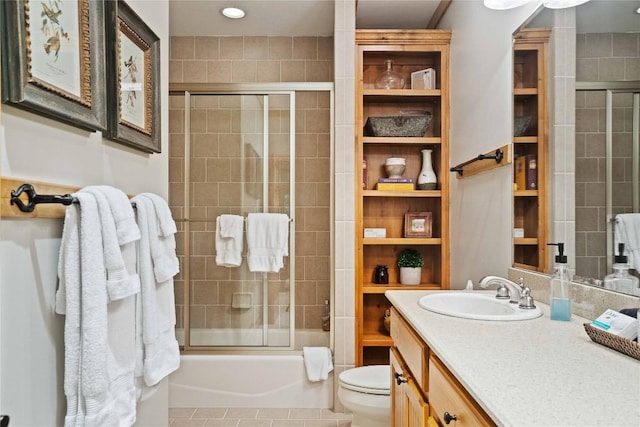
[
  {"x": 601, "y": 57},
  {"x": 251, "y": 59}
]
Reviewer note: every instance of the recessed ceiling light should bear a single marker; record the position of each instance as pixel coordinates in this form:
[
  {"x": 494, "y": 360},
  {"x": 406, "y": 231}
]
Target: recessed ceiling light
[{"x": 233, "y": 12}]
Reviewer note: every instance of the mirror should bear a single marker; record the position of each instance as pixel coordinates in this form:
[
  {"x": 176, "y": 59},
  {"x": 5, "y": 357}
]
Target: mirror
[{"x": 604, "y": 143}]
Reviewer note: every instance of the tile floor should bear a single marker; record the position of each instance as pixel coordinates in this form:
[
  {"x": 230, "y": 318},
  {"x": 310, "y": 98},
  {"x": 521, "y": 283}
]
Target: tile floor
[{"x": 255, "y": 417}]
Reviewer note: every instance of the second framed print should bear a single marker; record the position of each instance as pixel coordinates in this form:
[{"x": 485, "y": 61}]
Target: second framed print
[
  {"x": 53, "y": 59},
  {"x": 133, "y": 91}
]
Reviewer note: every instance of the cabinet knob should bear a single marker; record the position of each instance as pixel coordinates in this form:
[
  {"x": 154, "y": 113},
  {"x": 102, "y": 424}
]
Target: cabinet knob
[
  {"x": 447, "y": 417},
  {"x": 399, "y": 378}
]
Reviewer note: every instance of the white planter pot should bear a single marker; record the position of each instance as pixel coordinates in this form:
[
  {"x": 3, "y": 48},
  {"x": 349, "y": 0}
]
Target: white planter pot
[{"x": 410, "y": 275}]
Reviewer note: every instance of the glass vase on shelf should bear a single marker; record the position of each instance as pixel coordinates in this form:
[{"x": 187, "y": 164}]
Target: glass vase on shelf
[{"x": 389, "y": 79}]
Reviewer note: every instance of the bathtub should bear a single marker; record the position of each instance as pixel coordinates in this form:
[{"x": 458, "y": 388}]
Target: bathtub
[{"x": 249, "y": 380}]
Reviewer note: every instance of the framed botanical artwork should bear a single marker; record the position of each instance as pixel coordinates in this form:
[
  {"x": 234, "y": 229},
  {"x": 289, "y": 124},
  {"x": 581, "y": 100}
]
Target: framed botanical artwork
[
  {"x": 133, "y": 91},
  {"x": 53, "y": 59},
  {"x": 417, "y": 224}
]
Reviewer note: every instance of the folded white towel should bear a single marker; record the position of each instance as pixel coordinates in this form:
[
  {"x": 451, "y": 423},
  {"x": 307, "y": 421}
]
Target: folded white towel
[
  {"x": 267, "y": 241},
  {"x": 166, "y": 224},
  {"x": 627, "y": 231},
  {"x": 123, "y": 214},
  {"x": 317, "y": 362},
  {"x": 120, "y": 284},
  {"x": 229, "y": 240}
]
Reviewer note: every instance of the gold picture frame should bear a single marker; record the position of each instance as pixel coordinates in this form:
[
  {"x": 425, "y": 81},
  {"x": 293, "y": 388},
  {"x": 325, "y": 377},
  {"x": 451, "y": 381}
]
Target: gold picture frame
[{"x": 53, "y": 59}]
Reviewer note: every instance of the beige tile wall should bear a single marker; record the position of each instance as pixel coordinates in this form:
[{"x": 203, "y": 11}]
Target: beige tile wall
[
  {"x": 602, "y": 57},
  {"x": 221, "y": 161}
]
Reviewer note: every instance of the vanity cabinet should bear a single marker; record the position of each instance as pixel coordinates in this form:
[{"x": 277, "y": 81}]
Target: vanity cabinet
[
  {"x": 531, "y": 129},
  {"x": 423, "y": 391},
  {"x": 410, "y": 51}
]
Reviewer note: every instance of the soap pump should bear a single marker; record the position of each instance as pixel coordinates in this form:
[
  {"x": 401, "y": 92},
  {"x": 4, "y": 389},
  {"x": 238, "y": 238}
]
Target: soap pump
[
  {"x": 620, "y": 280},
  {"x": 560, "y": 287}
]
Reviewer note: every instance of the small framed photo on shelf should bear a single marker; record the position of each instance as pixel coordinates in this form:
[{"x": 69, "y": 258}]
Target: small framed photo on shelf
[{"x": 417, "y": 224}]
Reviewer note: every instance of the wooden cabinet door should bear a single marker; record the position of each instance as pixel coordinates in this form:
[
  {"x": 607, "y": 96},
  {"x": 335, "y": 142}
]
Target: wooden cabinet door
[
  {"x": 450, "y": 403},
  {"x": 408, "y": 406}
]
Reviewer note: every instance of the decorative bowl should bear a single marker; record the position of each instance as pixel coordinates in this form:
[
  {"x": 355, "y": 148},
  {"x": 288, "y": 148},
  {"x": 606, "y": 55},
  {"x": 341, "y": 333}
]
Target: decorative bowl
[{"x": 403, "y": 125}]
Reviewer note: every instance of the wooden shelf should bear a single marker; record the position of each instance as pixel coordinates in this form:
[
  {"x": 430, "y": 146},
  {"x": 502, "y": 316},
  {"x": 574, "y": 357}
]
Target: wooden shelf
[
  {"x": 409, "y": 241},
  {"x": 376, "y": 340},
  {"x": 383, "y": 93},
  {"x": 380, "y": 289},
  {"x": 382, "y": 140},
  {"x": 530, "y": 99},
  {"x": 414, "y": 193},
  {"x": 525, "y": 193},
  {"x": 410, "y": 51},
  {"x": 525, "y": 241}
]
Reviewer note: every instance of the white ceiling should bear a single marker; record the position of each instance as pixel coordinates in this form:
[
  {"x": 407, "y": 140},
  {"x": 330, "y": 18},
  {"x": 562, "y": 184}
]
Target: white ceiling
[
  {"x": 291, "y": 17},
  {"x": 315, "y": 17}
]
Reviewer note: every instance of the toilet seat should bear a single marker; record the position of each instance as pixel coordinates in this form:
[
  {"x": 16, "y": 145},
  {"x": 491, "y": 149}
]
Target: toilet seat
[{"x": 374, "y": 379}]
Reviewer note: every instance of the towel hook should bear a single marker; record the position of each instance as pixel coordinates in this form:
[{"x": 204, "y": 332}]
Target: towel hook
[{"x": 33, "y": 198}]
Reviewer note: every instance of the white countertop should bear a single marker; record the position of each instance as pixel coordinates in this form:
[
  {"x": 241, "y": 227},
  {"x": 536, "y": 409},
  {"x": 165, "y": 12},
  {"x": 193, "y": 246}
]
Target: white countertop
[{"x": 534, "y": 372}]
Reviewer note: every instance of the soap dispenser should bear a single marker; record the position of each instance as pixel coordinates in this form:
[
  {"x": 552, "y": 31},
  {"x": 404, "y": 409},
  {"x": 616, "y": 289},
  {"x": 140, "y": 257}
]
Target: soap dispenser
[
  {"x": 620, "y": 280},
  {"x": 560, "y": 286}
]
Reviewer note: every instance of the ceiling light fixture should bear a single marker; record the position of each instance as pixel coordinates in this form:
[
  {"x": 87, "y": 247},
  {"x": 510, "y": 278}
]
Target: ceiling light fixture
[
  {"x": 504, "y": 4},
  {"x": 562, "y": 4},
  {"x": 233, "y": 12},
  {"x": 551, "y": 4}
]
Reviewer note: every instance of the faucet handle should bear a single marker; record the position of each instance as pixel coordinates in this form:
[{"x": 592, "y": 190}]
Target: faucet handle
[
  {"x": 502, "y": 292},
  {"x": 526, "y": 300}
]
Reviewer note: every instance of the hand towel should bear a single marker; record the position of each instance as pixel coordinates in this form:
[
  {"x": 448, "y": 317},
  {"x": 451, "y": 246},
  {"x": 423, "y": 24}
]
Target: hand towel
[
  {"x": 229, "y": 240},
  {"x": 163, "y": 247},
  {"x": 317, "y": 362},
  {"x": 627, "y": 231},
  {"x": 120, "y": 284},
  {"x": 267, "y": 241}
]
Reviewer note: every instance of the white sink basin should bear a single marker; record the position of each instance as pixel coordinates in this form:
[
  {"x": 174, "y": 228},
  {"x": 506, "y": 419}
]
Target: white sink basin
[{"x": 470, "y": 305}]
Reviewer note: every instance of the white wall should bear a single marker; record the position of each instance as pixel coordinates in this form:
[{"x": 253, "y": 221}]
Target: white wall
[
  {"x": 481, "y": 121},
  {"x": 39, "y": 149}
]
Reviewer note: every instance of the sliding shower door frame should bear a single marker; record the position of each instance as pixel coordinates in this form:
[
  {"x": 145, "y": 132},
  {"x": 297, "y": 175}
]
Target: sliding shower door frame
[
  {"x": 253, "y": 89},
  {"x": 610, "y": 88}
]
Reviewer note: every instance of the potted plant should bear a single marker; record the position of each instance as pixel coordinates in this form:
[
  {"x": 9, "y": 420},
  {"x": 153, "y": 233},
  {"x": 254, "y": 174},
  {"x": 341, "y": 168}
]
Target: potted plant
[{"x": 410, "y": 262}]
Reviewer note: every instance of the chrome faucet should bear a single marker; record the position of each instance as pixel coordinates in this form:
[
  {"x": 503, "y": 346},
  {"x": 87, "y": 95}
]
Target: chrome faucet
[{"x": 516, "y": 293}]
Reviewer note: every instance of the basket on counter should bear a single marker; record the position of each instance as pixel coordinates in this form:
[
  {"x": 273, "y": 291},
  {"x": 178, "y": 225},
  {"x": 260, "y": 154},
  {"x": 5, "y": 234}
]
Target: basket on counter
[
  {"x": 403, "y": 125},
  {"x": 623, "y": 345}
]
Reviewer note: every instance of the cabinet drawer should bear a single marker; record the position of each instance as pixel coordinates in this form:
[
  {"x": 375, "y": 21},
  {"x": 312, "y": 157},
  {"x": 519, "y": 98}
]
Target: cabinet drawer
[
  {"x": 414, "y": 351},
  {"x": 447, "y": 395}
]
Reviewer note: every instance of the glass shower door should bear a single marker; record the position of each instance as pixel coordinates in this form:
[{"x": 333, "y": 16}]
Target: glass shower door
[{"x": 240, "y": 161}]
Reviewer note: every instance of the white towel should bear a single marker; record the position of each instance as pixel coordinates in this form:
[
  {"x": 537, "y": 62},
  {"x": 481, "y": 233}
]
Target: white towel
[
  {"x": 317, "y": 362},
  {"x": 627, "y": 231},
  {"x": 157, "y": 349},
  {"x": 120, "y": 282},
  {"x": 123, "y": 214},
  {"x": 229, "y": 240},
  {"x": 267, "y": 241},
  {"x": 162, "y": 242},
  {"x": 68, "y": 303}
]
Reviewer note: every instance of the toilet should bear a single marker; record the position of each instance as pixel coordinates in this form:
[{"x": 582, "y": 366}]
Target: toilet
[{"x": 365, "y": 392}]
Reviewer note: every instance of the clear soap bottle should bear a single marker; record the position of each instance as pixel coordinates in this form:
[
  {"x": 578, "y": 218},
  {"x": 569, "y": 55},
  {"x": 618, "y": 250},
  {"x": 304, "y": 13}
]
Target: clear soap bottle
[
  {"x": 620, "y": 280},
  {"x": 560, "y": 287}
]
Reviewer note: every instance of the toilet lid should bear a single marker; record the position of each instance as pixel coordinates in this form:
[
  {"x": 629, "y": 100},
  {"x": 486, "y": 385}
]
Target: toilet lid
[{"x": 374, "y": 379}]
